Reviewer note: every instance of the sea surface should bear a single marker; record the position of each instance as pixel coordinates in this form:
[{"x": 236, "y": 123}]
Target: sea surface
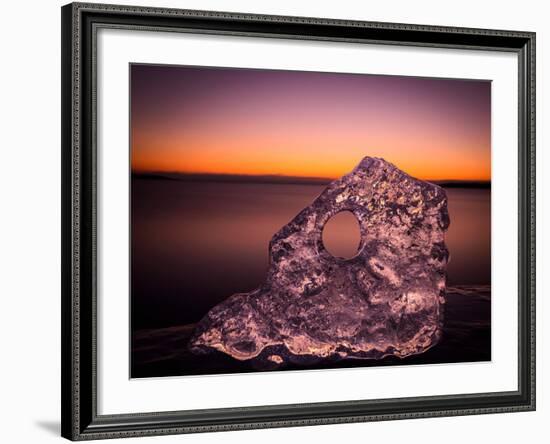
[{"x": 193, "y": 244}]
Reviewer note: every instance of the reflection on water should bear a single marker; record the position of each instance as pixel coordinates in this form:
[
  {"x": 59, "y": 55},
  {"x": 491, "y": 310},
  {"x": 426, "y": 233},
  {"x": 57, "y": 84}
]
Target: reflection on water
[{"x": 196, "y": 243}]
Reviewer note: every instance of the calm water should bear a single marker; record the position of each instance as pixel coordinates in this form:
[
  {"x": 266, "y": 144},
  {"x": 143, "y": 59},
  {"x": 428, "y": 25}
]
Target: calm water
[{"x": 196, "y": 243}]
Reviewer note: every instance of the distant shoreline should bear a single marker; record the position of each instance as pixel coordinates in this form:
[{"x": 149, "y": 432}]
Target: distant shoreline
[{"x": 285, "y": 180}]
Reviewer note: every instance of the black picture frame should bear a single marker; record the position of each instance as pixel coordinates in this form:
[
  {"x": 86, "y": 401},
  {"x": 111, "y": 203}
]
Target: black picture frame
[{"x": 80, "y": 420}]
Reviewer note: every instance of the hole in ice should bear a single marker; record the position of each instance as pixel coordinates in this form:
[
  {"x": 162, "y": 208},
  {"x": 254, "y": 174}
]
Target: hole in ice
[{"x": 342, "y": 235}]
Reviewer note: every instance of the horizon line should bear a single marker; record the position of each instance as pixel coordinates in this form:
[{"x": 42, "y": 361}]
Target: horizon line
[{"x": 278, "y": 178}]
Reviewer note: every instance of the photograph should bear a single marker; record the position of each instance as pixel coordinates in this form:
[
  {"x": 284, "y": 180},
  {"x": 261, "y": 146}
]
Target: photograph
[
  {"x": 271, "y": 219},
  {"x": 300, "y": 220}
]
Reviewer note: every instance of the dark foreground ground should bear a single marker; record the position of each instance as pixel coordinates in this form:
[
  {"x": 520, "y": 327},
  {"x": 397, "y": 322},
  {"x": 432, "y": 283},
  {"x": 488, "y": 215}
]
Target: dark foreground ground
[{"x": 466, "y": 338}]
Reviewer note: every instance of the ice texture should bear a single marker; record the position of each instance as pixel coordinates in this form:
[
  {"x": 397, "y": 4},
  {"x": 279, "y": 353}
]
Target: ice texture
[{"x": 386, "y": 300}]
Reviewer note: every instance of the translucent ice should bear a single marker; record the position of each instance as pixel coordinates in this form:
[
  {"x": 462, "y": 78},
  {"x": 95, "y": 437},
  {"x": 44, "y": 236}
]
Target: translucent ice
[{"x": 386, "y": 300}]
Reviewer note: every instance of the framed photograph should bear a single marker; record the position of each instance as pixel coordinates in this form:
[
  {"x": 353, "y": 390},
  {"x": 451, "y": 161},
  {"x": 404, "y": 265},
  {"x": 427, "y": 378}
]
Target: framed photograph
[{"x": 280, "y": 221}]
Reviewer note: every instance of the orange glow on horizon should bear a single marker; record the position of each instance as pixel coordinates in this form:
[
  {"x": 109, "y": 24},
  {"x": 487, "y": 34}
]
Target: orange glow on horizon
[{"x": 312, "y": 159}]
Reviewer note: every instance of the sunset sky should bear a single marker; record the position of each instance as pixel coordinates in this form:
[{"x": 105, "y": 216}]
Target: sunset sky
[{"x": 258, "y": 122}]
